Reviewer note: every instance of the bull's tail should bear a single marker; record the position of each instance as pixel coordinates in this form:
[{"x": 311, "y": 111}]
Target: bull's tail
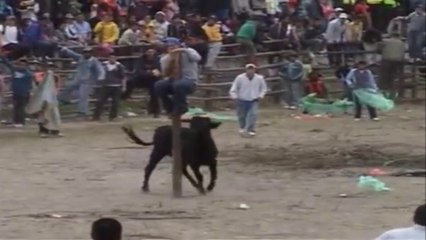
[{"x": 128, "y": 130}]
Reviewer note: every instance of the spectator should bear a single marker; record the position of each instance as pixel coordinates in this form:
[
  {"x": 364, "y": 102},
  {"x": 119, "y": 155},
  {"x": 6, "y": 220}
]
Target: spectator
[
  {"x": 341, "y": 74},
  {"x": 123, "y": 23},
  {"x": 177, "y": 28},
  {"x": 70, "y": 30},
  {"x": 106, "y": 229},
  {"x": 361, "y": 9},
  {"x": 106, "y": 31},
  {"x": 83, "y": 29},
  {"x": 48, "y": 28},
  {"x": 416, "y": 32},
  {"x": 89, "y": 70},
  {"x": 178, "y": 86},
  {"x": 392, "y": 65},
  {"x": 291, "y": 74},
  {"x": 212, "y": 30},
  {"x": 246, "y": 36},
  {"x": 112, "y": 87},
  {"x": 362, "y": 78},
  {"x": 171, "y": 8},
  {"x": 131, "y": 36},
  {"x": 5, "y": 10},
  {"x": 10, "y": 39},
  {"x": 29, "y": 9},
  {"x": 146, "y": 75},
  {"x": 197, "y": 38},
  {"x": 32, "y": 38},
  {"x": 22, "y": 83},
  {"x": 160, "y": 26},
  {"x": 370, "y": 42},
  {"x": 247, "y": 89},
  {"x": 140, "y": 9},
  {"x": 397, "y": 24},
  {"x": 416, "y": 232},
  {"x": 315, "y": 85},
  {"x": 353, "y": 35},
  {"x": 334, "y": 37}
]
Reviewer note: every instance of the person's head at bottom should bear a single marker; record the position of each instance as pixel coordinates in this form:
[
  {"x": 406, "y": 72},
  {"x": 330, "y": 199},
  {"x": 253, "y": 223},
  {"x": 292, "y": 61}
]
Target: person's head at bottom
[
  {"x": 420, "y": 215},
  {"x": 106, "y": 229}
]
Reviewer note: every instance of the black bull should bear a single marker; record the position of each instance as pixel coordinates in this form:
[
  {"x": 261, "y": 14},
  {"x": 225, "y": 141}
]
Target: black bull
[{"x": 198, "y": 149}]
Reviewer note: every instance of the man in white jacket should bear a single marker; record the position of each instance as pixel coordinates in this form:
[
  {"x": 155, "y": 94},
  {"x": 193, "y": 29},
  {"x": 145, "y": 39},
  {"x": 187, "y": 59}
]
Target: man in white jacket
[
  {"x": 415, "y": 232},
  {"x": 247, "y": 89}
]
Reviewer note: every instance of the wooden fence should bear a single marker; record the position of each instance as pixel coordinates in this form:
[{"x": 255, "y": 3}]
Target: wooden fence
[{"x": 212, "y": 90}]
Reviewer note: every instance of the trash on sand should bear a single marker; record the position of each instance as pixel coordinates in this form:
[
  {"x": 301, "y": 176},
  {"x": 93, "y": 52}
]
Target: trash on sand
[
  {"x": 371, "y": 183},
  {"x": 55, "y": 216},
  {"x": 130, "y": 114},
  {"x": 376, "y": 172},
  {"x": 243, "y": 206},
  {"x": 343, "y": 195}
]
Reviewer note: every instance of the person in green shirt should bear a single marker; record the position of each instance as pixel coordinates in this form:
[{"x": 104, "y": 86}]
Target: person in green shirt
[{"x": 245, "y": 36}]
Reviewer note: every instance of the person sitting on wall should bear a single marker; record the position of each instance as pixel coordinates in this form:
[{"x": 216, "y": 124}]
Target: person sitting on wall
[{"x": 180, "y": 71}]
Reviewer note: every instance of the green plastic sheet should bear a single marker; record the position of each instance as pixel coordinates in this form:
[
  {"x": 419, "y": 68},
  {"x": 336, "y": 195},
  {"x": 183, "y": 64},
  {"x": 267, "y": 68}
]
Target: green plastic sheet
[
  {"x": 374, "y": 99},
  {"x": 314, "y": 105},
  {"x": 193, "y": 112}
]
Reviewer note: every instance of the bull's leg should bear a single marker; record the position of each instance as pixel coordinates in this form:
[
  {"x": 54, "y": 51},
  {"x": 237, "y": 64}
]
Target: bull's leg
[
  {"x": 189, "y": 177},
  {"x": 213, "y": 176},
  {"x": 199, "y": 176},
  {"x": 155, "y": 158}
]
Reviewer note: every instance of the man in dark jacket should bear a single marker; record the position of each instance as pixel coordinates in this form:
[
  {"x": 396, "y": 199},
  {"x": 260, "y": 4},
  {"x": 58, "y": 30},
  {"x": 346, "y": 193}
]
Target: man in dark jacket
[
  {"x": 146, "y": 74},
  {"x": 22, "y": 84},
  {"x": 112, "y": 85}
]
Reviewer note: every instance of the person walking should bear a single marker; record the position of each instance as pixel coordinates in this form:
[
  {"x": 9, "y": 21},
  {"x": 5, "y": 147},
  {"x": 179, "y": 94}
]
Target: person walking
[
  {"x": 292, "y": 74},
  {"x": 89, "y": 70},
  {"x": 247, "y": 89},
  {"x": 112, "y": 87}
]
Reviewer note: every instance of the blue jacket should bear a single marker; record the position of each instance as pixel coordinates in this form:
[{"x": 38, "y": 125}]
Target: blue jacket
[
  {"x": 22, "y": 82},
  {"x": 32, "y": 33},
  {"x": 22, "y": 79},
  {"x": 292, "y": 71},
  {"x": 89, "y": 71},
  {"x": 361, "y": 79}
]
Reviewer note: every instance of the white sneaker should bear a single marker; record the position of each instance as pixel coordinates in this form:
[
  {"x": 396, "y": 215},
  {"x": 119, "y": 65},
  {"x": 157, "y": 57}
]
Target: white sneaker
[
  {"x": 357, "y": 119},
  {"x": 18, "y": 125},
  {"x": 251, "y": 134},
  {"x": 376, "y": 119}
]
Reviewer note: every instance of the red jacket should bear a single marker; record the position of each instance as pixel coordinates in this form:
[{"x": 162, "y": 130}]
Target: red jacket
[{"x": 315, "y": 85}]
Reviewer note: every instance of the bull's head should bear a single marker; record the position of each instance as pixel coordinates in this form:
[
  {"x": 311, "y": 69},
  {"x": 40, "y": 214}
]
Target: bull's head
[{"x": 203, "y": 123}]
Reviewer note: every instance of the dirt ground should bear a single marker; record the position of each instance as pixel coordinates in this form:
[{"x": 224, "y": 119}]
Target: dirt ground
[{"x": 290, "y": 175}]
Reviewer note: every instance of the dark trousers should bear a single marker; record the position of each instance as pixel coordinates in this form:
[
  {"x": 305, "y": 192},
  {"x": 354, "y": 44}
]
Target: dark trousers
[
  {"x": 334, "y": 53},
  {"x": 173, "y": 93},
  {"x": 389, "y": 71},
  {"x": 105, "y": 93},
  {"x": 15, "y": 50},
  {"x": 148, "y": 82},
  {"x": 19, "y": 104},
  {"x": 358, "y": 109}
]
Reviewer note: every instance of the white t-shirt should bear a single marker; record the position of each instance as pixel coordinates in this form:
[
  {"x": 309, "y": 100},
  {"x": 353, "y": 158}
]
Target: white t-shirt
[
  {"x": 415, "y": 232},
  {"x": 9, "y": 34}
]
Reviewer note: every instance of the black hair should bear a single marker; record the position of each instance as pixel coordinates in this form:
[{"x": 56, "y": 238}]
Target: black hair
[
  {"x": 106, "y": 229},
  {"x": 420, "y": 215}
]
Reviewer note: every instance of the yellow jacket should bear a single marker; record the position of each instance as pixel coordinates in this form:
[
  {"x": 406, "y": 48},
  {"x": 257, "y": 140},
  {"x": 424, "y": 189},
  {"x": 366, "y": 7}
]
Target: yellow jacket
[
  {"x": 213, "y": 32},
  {"x": 106, "y": 32}
]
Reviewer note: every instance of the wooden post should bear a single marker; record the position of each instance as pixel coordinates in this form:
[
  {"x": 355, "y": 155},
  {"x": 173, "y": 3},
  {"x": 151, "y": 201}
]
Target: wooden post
[{"x": 177, "y": 156}]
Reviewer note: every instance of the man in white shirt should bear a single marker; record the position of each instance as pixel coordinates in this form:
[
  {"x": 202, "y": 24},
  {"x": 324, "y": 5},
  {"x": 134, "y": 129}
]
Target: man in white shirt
[
  {"x": 416, "y": 232},
  {"x": 247, "y": 89},
  {"x": 9, "y": 39},
  {"x": 334, "y": 37}
]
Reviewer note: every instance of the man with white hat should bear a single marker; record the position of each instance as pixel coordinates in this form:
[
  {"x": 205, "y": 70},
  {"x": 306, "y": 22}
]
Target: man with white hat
[
  {"x": 334, "y": 37},
  {"x": 160, "y": 25},
  {"x": 247, "y": 89}
]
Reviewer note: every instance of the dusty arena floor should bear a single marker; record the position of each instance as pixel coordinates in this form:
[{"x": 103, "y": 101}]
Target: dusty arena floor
[{"x": 290, "y": 175}]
